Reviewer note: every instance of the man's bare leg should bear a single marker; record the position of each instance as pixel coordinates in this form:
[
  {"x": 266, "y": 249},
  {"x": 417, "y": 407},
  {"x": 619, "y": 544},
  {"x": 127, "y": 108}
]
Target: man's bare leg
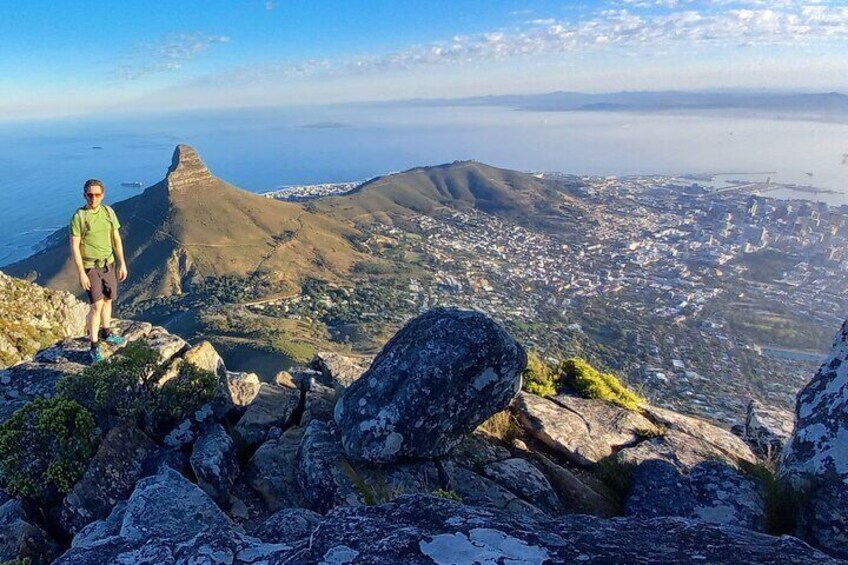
[
  {"x": 94, "y": 317},
  {"x": 106, "y": 314}
]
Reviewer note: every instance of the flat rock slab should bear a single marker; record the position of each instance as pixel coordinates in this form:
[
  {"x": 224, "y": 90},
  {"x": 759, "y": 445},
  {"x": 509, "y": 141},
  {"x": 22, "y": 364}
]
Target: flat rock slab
[
  {"x": 273, "y": 406},
  {"x": 213, "y": 460},
  {"x": 585, "y": 431},
  {"x": 33, "y": 379},
  {"x": 686, "y": 442},
  {"x": 476, "y": 490},
  {"x": 110, "y": 477},
  {"x": 419, "y": 529},
  {"x": 712, "y": 491},
  {"x": 436, "y": 380}
]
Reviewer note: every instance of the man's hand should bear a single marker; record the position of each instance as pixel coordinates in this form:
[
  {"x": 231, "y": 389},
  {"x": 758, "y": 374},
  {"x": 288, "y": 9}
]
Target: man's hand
[
  {"x": 84, "y": 281},
  {"x": 122, "y": 272}
]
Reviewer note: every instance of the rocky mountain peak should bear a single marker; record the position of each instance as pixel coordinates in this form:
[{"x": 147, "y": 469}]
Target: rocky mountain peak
[{"x": 187, "y": 168}]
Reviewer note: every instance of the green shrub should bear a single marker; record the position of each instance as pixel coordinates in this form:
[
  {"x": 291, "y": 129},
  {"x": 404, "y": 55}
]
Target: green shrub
[
  {"x": 46, "y": 447},
  {"x": 124, "y": 389},
  {"x": 447, "y": 494},
  {"x": 591, "y": 383},
  {"x": 539, "y": 377},
  {"x": 19, "y": 561}
]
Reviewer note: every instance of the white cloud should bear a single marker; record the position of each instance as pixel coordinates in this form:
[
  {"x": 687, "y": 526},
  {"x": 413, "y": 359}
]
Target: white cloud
[{"x": 169, "y": 55}]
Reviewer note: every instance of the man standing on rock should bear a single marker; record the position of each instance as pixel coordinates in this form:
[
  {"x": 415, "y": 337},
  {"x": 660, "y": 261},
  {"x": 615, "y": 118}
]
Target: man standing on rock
[{"x": 95, "y": 246}]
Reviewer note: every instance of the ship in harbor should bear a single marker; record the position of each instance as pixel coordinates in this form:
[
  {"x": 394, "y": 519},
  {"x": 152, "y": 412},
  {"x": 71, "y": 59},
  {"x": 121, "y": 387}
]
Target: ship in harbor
[{"x": 133, "y": 184}]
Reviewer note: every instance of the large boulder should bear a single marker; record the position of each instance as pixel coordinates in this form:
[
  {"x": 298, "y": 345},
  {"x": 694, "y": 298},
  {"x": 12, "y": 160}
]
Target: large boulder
[
  {"x": 287, "y": 526},
  {"x": 436, "y": 380},
  {"x": 712, "y": 491},
  {"x": 419, "y": 529},
  {"x": 815, "y": 459},
  {"x": 522, "y": 478},
  {"x": 110, "y": 477},
  {"x": 214, "y": 463},
  {"x": 168, "y": 520},
  {"x": 583, "y": 430}
]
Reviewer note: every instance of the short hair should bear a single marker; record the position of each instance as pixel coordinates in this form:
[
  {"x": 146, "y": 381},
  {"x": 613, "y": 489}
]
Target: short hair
[{"x": 94, "y": 182}]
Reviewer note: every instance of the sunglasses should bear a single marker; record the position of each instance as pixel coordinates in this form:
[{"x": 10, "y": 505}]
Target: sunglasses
[{"x": 93, "y": 194}]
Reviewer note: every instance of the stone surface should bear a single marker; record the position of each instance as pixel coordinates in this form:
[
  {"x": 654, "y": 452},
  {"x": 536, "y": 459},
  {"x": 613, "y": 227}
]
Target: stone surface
[
  {"x": 35, "y": 317},
  {"x": 477, "y": 490},
  {"x": 477, "y": 450},
  {"x": 19, "y": 538},
  {"x": 766, "y": 429},
  {"x": 320, "y": 472},
  {"x": 167, "y": 345},
  {"x": 420, "y": 529},
  {"x": 585, "y": 431},
  {"x": 436, "y": 380},
  {"x": 32, "y": 379},
  {"x": 204, "y": 356},
  {"x": 271, "y": 471},
  {"x": 186, "y": 169},
  {"x": 189, "y": 429},
  {"x": 213, "y": 461},
  {"x": 686, "y": 442},
  {"x": 110, "y": 477},
  {"x": 273, "y": 406},
  {"x": 815, "y": 458},
  {"x": 169, "y": 520},
  {"x": 713, "y": 492},
  {"x": 287, "y": 526},
  {"x": 319, "y": 404},
  {"x": 522, "y": 478},
  {"x": 339, "y": 371},
  {"x": 242, "y": 388}
]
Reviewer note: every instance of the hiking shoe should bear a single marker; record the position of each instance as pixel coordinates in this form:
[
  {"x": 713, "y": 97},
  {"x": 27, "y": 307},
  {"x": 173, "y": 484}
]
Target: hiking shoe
[
  {"x": 96, "y": 354},
  {"x": 115, "y": 340}
]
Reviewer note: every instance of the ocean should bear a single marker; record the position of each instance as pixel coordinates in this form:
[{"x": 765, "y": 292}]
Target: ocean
[{"x": 43, "y": 163}]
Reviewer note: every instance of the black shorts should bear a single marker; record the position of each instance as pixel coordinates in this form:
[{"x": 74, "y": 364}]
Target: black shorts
[{"x": 104, "y": 283}]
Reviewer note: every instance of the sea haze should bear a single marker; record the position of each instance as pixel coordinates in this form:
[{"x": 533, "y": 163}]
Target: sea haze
[{"x": 43, "y": 164}]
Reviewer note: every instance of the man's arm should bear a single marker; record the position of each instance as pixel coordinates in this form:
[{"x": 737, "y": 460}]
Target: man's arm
[
  {"x": 77, "y": 255},
  {"x": 118, "y": 247}
]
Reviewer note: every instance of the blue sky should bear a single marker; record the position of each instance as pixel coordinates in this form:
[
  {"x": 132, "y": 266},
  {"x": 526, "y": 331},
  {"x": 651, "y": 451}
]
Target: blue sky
[{"x": 67, "y": 57}]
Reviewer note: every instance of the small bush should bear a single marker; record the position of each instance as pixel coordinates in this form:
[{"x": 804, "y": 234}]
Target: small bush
[
  {"x": 124, "y": 389},
  {"x": 447, "y": 494},
  {"x": 46, "y": 447},
  {"x": 539, "y": 377},
  {"x": 651, "y": 433},
  {"x": 19, "y": 561},
  {"x": 591, "y": 383}
]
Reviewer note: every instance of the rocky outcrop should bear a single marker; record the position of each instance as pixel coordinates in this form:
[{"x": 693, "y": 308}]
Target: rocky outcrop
[
  {"x": 320, "y": 469},
  {"x": 19, "y": 538},
  {"x": 815, "y": 459},
  {"x": 436, "y": 380},
  {"x": 213, "y": 461},
  {"x": 712, "y": 491},
  {"x": 110, "y": 477},
  {"x": 583, "y": 430},
  {"x": 525, "y": 480},
  {"x": 273, "y": 406},
  {"x": 766, "y": 428},
  {"x": 186, "y": 169},
  {"x": 271, "y": 471},
  {"x": 168, "y": 520},
  {"x": 420, "y": 529},
  {"x": 339, "y": 371},
  {"x": 34, "y": 317},
  {"x": 288, "y": 526}
]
